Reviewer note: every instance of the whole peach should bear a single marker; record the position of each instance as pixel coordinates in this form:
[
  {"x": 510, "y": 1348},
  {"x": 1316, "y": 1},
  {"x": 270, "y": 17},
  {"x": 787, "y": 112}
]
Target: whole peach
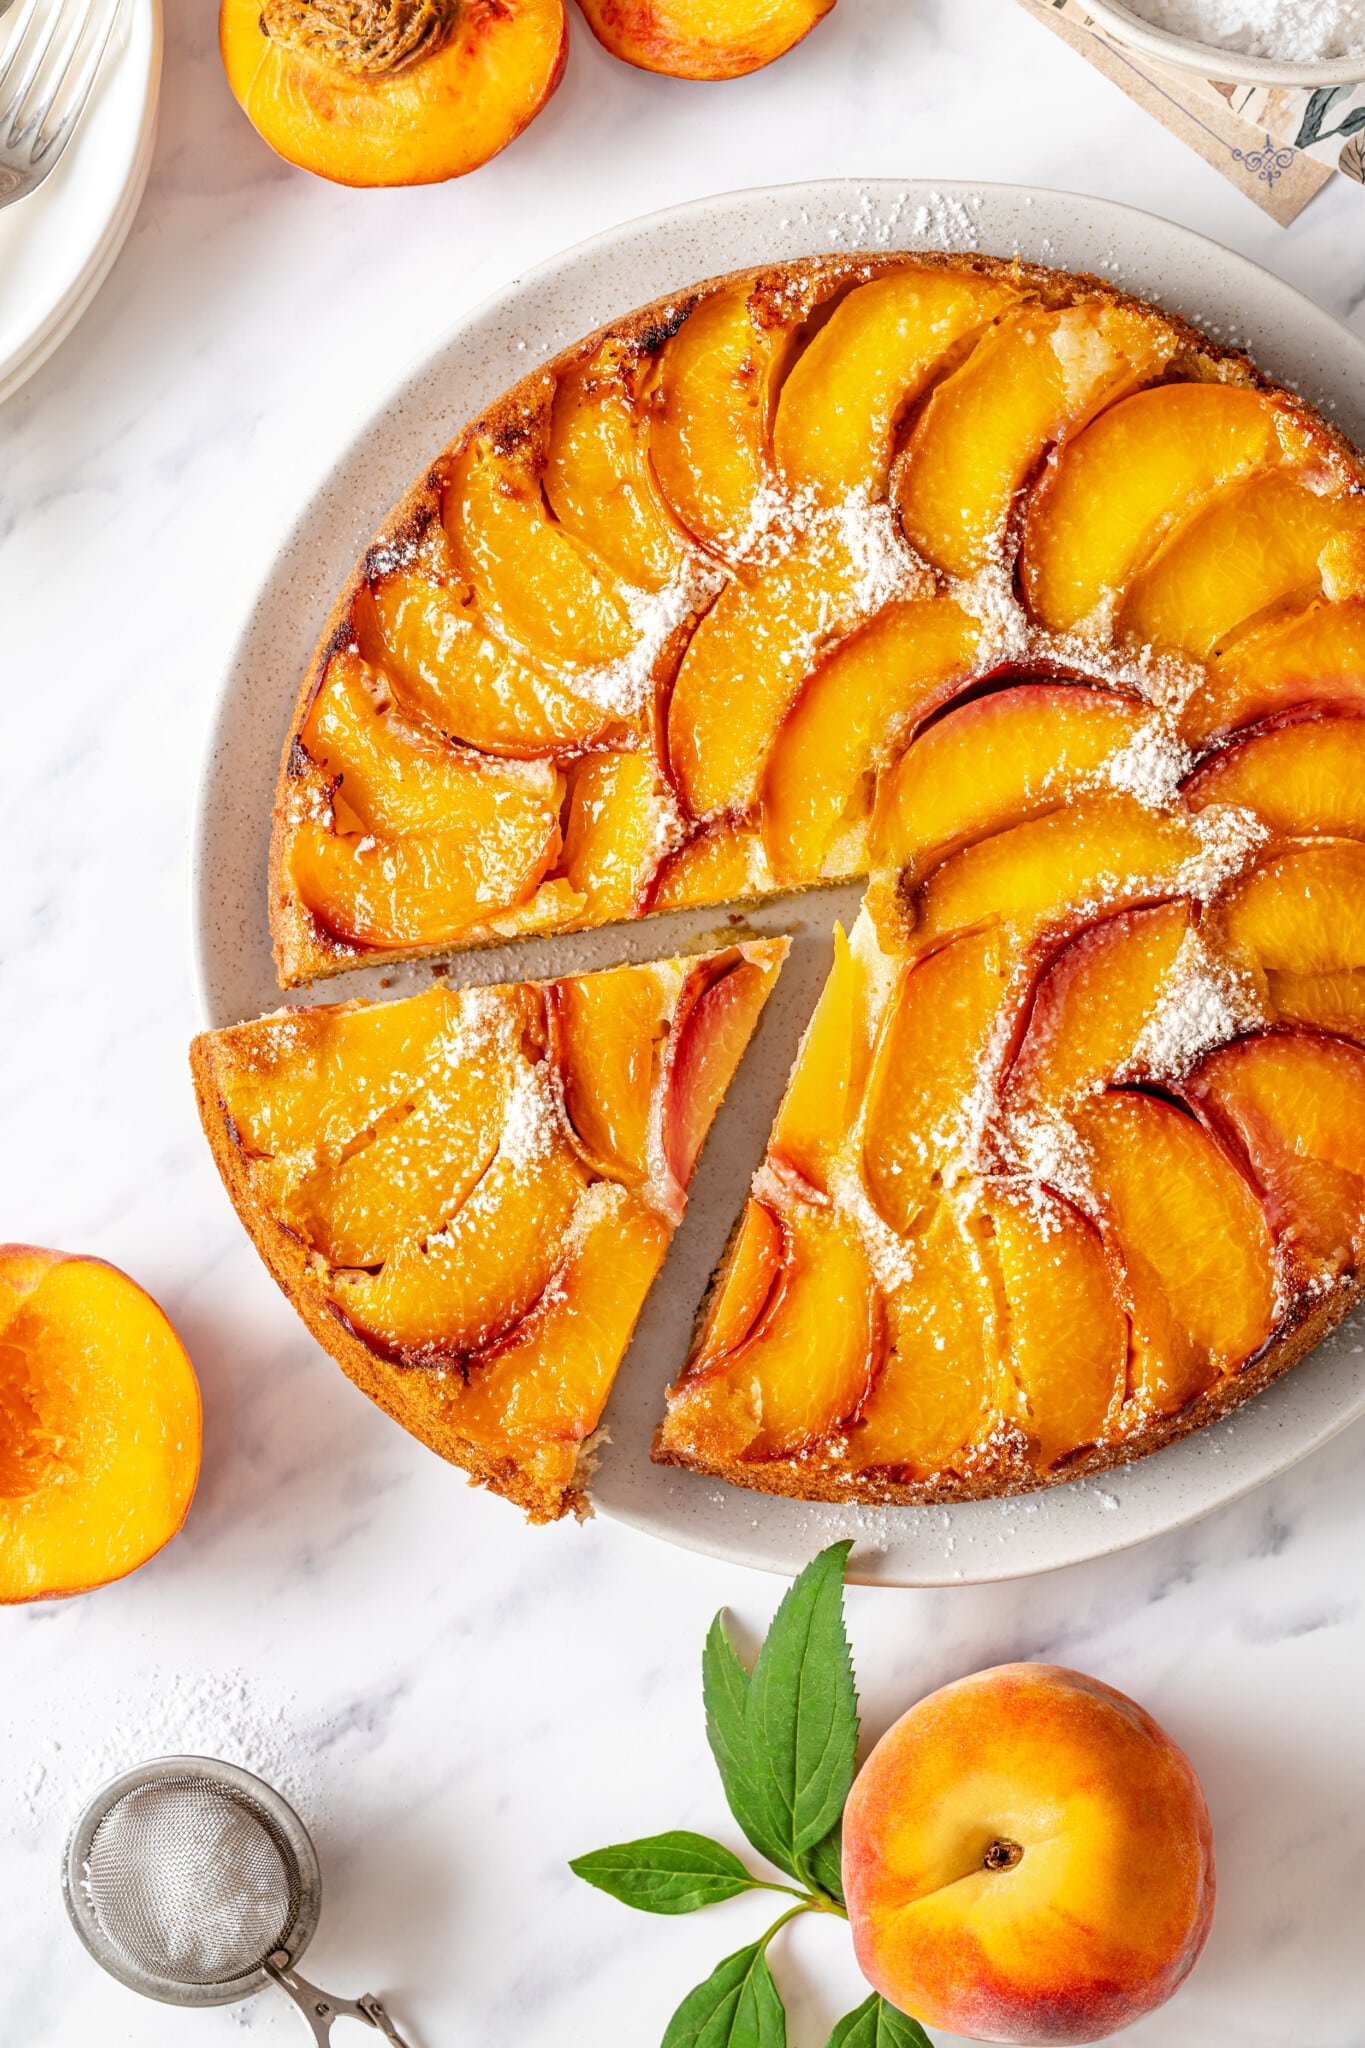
[{"x": 1027, "y": 1857}]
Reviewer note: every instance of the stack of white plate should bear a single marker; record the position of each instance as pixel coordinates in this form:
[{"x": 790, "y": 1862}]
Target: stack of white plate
[{"x": 58, "y": 245}]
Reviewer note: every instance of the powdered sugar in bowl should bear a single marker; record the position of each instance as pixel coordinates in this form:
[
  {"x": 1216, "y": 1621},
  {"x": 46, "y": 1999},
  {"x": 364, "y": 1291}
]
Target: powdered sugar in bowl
[{"x": 1257, "y": 42}]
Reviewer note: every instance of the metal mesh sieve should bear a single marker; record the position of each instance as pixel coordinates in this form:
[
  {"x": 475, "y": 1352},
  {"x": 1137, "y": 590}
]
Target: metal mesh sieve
[{"x": 191, "y": 1882}]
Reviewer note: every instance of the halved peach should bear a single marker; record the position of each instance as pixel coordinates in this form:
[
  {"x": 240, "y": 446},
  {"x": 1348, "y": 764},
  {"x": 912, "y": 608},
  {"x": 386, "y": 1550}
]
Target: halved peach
[
  {"x": 1099, "y": 851},
  {"x": 609, "y": 1029},
  {"x": 597, "y": 476},
  {"x": 715, "y": 1020},
  {"x": 1295, "y": 1103},
  {"x": 701, "y": 38},
  {"x": 1191, "y": 1244},
  {"x": 443, "y": 666},
  {"x": 839, "y": 409},
  {"x": 1037, "y": 375},
  {"x": 1067, "y": 1334},
  {"x": 1300, "y": 778},
  {"x": 818, "y": 782},
  {"x": 805, "y": 1366},
  {"x": 1260, "y": 546},
  {"x": 717, "y": 385},
  {"x": 1115, "y": 490},
  {"x": 620, "y": 824},
  {"x": 460, "y": 1289},
  {"x": 548, "y": 591},
  {"x": 930, "y": 1074},
  {"x": 994, "y": 761},
  {"x": 941, "y": 1381},
  {"x": 751, "y": 654},
  {"x": 531, "y": 1403},
  {"x": 1093, "y": 1004},
  {"x": 1316, "y": 655},
  {"x": 399, "y": 95},
  {"x": 99, "y": 1425}
]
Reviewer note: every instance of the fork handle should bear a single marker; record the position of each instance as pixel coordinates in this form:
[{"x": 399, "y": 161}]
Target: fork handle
[{"x": 321, "y": 2010}]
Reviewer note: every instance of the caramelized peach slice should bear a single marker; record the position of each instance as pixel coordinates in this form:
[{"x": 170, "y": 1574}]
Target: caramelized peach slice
[
  {"x": 822, "y": 1098},
  {"x": 1118, "y": 488},
  {"x": 1037, "y": 375},
  {"x": 1314, "y": 656},
  {"x": 941, "y": 1382},
  {"x": 995, "y": 761},
  {"x": 1191, "y": 1245},
  {"x": 460, "y": 1289},
  {"x": 722, "y": 863},
  {"x": 1296, "y": 1105},
  {"x": 610, "y": 1028},
  {"x": 697, "y": 38},
  {"x": 414, "y": 1166},
  {"x": 715, "y": 1021},
  {"x": 548, "y": 592},
  {"x": 750, "y": 655},
  {"x": 1263, "y": 544},
  {"x": 879, "y": 350},
  {"x": 1068, "y": 1336},
  {"x": 716, "y": 391},
  {"x": 445, "y": 668},
  {"x": 817, "y": 786},
  {"x": 937, "y": 1041},
  {"x": 621, "y": 821},
  {"x": 1099, "y": 851},
  {"x": 535, "y": 1400},
  {"x": 367, "y": 110},
  {"x": 1301, "y": 778},
  {"x": 1093, "y": 1005},
  {"x": 752, "y": 1264},
  {"x": 805, "y": 1367},
  {"x": 597, "y": 475},
  {"x": 99, "y": 1425},
  {"x": 1298, "y": 920}
]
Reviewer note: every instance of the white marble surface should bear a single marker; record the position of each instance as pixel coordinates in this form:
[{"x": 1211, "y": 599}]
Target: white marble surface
[{"x": 457, "y": 1703}]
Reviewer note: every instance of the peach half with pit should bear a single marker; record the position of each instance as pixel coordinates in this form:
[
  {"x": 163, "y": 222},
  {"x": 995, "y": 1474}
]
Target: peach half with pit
[{"x": 1028, "y": 1857}]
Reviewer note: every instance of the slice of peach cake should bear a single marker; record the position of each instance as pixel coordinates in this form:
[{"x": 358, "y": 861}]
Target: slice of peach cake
[
  {"x": 467, "y": 1193},
  {"x": 1019, "y": 596}
]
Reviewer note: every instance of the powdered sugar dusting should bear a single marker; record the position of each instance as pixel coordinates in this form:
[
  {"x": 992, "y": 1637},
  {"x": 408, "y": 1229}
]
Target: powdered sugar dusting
[
  {"x": 1206, "y": 1002},
  {"x": 1152, "y": 766}
]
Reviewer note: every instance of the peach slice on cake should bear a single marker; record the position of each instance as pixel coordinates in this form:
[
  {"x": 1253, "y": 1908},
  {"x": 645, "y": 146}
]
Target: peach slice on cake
[
  {"x": 99, "y": 1425},
  {"x": 1295, "y": 1105},
  {"x": 1190, "y": 1243},
  {"x": 817, "y": 787},
  {"x": 803, "y": 1368},
  {"x": 876, "y": 354},
  {"x": 995, "y": 761},
  {"x": 821, "y": 1104},
  {"x": 1117, "y": 489},
  {"x": 1036, "y": 376},
  {"x": 717, "y": 863},
  {"x": 597, "y": 478},
  {"x": 1298, "y": 921},
  {"x": 405, "y": 93},
  {"x": 621, "y": 822},
  {"x": 698, "y": 38},
  {"x": 1313, "y": 656},
  {"x": 1306, "y": 776},
  {"x": 477, "y": 1243}
]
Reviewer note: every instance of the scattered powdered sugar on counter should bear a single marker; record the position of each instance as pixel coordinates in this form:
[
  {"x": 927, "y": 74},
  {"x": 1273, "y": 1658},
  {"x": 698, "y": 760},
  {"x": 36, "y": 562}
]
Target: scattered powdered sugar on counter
[{"x": 1297, "y": 30}]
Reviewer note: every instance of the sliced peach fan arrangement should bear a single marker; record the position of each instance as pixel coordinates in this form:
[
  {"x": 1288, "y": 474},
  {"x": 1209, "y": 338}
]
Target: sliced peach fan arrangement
[
  {"x": 1013, "y": 595},
  {"x": 413, "y": 92}
]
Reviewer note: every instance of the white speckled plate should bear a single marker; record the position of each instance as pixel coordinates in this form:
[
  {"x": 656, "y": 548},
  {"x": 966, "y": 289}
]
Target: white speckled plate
[{"x": 530, "y": 320}]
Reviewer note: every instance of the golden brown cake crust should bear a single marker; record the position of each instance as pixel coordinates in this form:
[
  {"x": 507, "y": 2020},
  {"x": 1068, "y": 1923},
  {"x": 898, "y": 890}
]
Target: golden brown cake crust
[{"x": 304, "y": 950}]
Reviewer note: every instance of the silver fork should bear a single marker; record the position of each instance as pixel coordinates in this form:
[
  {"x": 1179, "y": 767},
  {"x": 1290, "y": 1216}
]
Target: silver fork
[{"x": 50, "y": 55}]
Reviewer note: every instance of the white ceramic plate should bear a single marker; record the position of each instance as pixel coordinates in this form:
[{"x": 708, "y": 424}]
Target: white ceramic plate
[
  {"x": 58, "y": 245},
  {"x": 530, "y": 320}
]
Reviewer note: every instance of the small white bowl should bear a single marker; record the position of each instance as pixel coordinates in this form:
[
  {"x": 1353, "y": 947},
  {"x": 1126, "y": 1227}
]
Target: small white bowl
[{"x": 1212, "y": 62}]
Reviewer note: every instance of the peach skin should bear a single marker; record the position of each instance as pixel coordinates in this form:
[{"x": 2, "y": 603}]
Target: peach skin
[{"x": 1027, "y": 1858}]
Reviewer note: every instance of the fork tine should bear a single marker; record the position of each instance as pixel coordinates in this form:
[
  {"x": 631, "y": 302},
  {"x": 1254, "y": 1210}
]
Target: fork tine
[
  {"x": 20, "y": 38},
  {"x": 34, "y": 95},
  {"x": 69, "y": 99}
]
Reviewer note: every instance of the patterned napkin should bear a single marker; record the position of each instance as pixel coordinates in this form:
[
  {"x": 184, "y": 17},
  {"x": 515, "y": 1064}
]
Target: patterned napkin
[{"x": 1278, "y": 144}]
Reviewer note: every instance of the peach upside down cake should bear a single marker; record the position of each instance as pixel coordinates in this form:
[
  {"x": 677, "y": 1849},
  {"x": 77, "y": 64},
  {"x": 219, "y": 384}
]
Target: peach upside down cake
[{"x": 988, "y": 583}]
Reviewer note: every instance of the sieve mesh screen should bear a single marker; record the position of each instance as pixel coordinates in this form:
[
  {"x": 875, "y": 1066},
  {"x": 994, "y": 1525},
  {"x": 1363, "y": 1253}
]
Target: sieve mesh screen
[{"x": 190, "y": 1881}]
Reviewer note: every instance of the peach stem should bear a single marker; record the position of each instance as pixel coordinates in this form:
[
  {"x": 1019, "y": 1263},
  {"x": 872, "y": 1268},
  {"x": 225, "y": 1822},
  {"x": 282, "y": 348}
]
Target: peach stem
[{"x": 1002, "y": 1855}]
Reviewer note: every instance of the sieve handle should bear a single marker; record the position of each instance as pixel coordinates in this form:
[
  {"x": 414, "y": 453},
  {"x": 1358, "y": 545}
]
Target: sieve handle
[{"x": 320, "y": 2009}]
